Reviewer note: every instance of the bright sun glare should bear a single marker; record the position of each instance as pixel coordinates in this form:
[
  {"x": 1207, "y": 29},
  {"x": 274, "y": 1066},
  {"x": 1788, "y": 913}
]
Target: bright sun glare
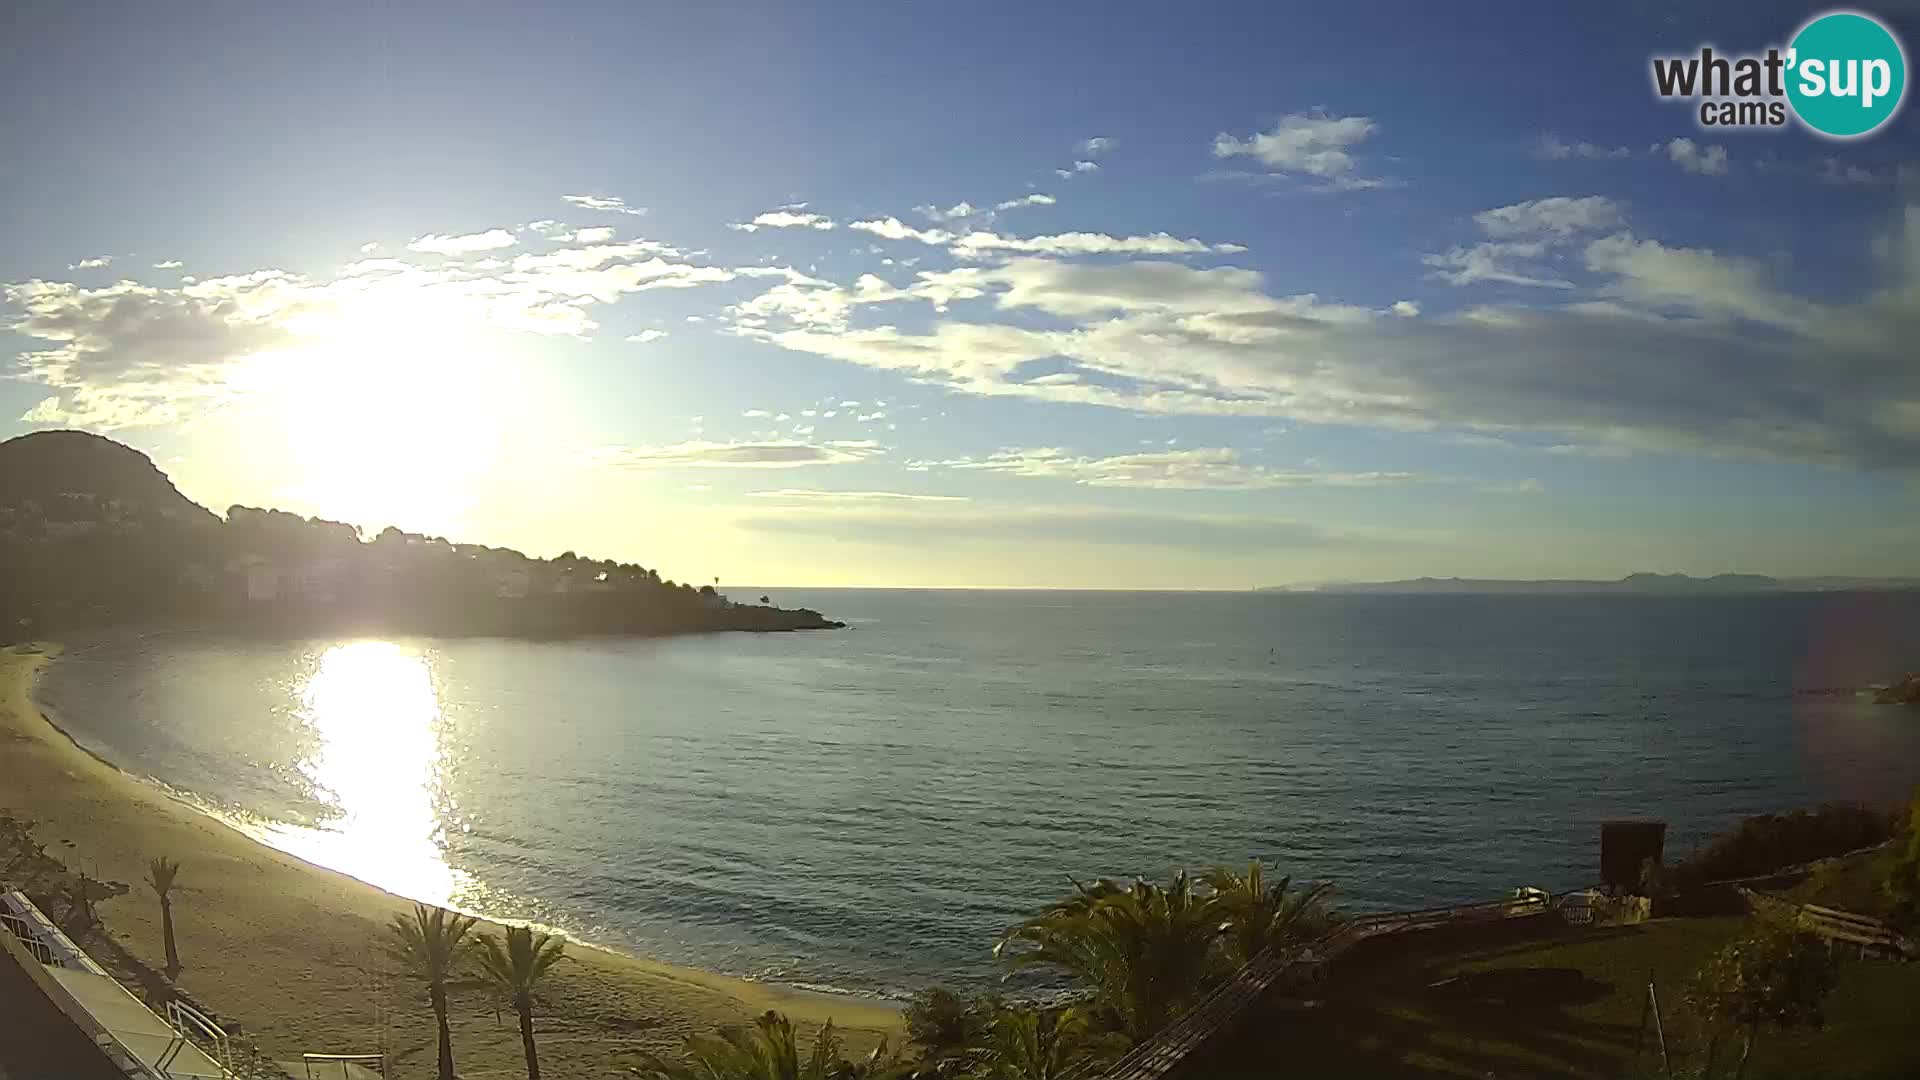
[
  {"x": 376, "y": 720},
  {"x": 389, "y": 414}
]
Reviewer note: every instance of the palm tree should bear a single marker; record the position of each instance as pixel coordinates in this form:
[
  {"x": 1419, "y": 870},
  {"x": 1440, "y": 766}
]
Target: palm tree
[
  {"x": 514, "y": 970},
  {"x": 160, "y": 875},
  {"x": 1049, "y": 1044},
  {"x": 1265, "y": 917},
  {"x": 428, "y": 946},
  {"x": 1145, "y": 953},
  {"x": 769, "y": 1051}
]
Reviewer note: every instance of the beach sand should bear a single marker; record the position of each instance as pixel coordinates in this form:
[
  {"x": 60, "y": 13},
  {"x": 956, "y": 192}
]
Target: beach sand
[{"x": 291, "y": 950}]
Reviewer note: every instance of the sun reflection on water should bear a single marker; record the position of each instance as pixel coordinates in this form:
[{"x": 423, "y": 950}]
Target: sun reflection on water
[{"x": 378, "y": 764}]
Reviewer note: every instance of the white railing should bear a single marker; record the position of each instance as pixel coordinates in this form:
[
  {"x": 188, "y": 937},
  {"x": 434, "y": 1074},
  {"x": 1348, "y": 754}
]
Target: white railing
[
  {"x": 26, "y": 922},
  {"x": 378, "y": 1061},
  {"x": 199, "y": 1028}
]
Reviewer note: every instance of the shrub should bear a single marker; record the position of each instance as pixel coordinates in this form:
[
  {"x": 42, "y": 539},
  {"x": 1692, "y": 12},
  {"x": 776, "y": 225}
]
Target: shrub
[{"x": 1769, "y": 842}]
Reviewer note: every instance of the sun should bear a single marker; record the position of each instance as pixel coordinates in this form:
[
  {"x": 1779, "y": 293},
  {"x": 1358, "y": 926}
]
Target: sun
[{"x": 389, "y": 417}]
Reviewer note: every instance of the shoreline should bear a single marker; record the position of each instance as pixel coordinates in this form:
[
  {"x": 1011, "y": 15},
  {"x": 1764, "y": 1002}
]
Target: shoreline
[{"x": 289, "y": 948}]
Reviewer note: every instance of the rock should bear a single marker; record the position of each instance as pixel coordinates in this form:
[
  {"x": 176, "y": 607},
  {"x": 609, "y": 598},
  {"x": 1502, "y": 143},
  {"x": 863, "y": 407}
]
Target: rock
[{"x": 1904, "y": 692}]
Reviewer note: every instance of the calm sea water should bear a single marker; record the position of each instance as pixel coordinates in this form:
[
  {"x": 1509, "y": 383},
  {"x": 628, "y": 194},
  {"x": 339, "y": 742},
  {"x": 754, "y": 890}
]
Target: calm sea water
[{"x": 865, "y": 809}]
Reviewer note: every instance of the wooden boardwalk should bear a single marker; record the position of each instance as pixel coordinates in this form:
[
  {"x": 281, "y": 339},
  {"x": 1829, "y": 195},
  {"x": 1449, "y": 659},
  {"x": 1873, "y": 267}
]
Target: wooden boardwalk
[{"x": 1222, "y": 1010}]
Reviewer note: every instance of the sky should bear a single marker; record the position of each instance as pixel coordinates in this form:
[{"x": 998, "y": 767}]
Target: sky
[{"x": 1084, "y": 295}]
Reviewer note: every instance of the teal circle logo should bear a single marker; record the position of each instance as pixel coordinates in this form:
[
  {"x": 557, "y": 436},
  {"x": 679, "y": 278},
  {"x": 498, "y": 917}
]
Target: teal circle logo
[{"x": 1846, "y": 75}]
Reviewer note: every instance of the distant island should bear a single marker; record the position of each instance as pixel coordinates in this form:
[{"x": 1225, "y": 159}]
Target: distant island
[
  {"x": 94, "y": 535},
  {"x": 1635, "y": 584}
]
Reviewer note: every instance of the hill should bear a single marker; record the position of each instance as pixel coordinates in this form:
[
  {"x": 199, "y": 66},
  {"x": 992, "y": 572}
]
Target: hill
[
  {"x": 93, "y": 535},
  {"x": 69, "y": 472}
]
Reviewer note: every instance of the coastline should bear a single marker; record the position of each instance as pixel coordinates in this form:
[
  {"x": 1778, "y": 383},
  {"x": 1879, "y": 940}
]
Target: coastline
[{"x": 290, "y": 949}]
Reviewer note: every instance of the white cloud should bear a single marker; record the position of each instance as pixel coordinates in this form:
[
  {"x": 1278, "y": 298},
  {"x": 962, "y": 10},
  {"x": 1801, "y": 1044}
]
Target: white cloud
[
  {"x": 646, "y": 336},
  {"x": 1405, "y": 308},
  {"x": 369, "y": 247},
  {"x": 1097, "y": 145},
  {"x": 811, "y": 495},
  {"x": 465, "y": 244},
  {"x": 168, "y": 264},
  {"x": 129, "y": 354},
  {"x": 610, "y": 203},
  {"x": 981, "y": 242},
  {"x": 1035, "y": 199},
  {"x": 1669, "y": 350},
  {"x": 1551, "y": 148},
  {"x": 961, "y": 209},
  {"x": 1312, "y": 144},
  {"x": 1078, "y": 168},
  {"x": 1203, "y": 468},
  {"x": 1525, "y": 236},
  {"x": 785, "y": 218},
  {"x": 1557, "y": 216},
  {"x": 98, "y": 262},
  {"x": 766, "y": 454},
  {"x": 1693, "y": 157},
  {"x": 597, "y": 234}
]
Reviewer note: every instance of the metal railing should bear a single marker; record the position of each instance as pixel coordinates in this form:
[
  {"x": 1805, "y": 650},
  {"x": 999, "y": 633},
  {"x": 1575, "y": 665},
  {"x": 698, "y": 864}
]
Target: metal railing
[{"x": 378, "y": 1061}]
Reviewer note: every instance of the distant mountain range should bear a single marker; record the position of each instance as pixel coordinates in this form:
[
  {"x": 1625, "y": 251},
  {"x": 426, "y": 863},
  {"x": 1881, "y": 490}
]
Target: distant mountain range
[{"x": 1642, "y": 583}]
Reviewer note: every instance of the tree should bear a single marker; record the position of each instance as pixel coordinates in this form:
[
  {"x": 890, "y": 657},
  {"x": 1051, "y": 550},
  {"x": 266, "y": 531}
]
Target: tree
[
  {"x": 1777, "y": 978},
  {"x": 428, "y": 946},
  {"x": 1902, "y": 882},
  {"x": 1045, "y": 1044},
  {"x": 764, "y": 601},
  {"x": 514, "y": 970},
  {"x": 1145, "y": 954},
  {"x": 1263, "y": 916},
  {"x": 161, "y": 873},
  {"x": 769, "y": 1051}
]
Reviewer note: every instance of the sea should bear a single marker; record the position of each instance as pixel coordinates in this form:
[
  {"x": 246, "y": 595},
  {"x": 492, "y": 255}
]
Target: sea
[{"x": 865, "y": 810}]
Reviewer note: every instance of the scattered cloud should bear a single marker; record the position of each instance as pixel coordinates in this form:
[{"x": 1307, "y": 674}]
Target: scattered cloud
[
  {"x": 597, "y": 234},
  {"x": 610, "y": 203},
  {"x": 1551, "y": 148},
  {"x": 1312, "y": 144},
  {"x": 810, "y": 495},
  {"x": 1405, "y": 308},
  {"x": 1207, "y": 468},
  {"x": 369, "y": 247},
  {"x": 769, "y": 454},
  {"x": 464, "y": 244},
  {"x": 787, "y": 217},
  {"x": 98, "y": 262},
  {"x": 1035, "y": 199},
  {"x": 168, "y": 264},
  {"x": 646, "y": 336},
  {"x": 1666, "y": 349},
  {"x": 1523, "y": 238},
  {"x": 1695, "y": 158},
  {"x": 1078, "y": 168},
  {"x": 1097, "y": 145},
  {"x": 980, "y": 242}
]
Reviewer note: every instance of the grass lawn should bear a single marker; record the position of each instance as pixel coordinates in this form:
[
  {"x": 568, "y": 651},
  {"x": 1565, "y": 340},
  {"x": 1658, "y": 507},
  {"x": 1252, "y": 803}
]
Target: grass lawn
[{"x": 1539, "y": 998}]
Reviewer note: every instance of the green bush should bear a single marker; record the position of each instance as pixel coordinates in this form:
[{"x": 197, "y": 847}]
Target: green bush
[{"x": 1769, "y": 842}]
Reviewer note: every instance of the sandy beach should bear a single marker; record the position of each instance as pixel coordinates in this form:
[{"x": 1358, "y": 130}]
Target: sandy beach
[{"x": 291, "y": 950}]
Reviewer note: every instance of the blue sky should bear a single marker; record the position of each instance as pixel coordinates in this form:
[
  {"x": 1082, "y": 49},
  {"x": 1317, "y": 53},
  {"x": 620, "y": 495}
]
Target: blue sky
[{"x": 1091, "y": 295}]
